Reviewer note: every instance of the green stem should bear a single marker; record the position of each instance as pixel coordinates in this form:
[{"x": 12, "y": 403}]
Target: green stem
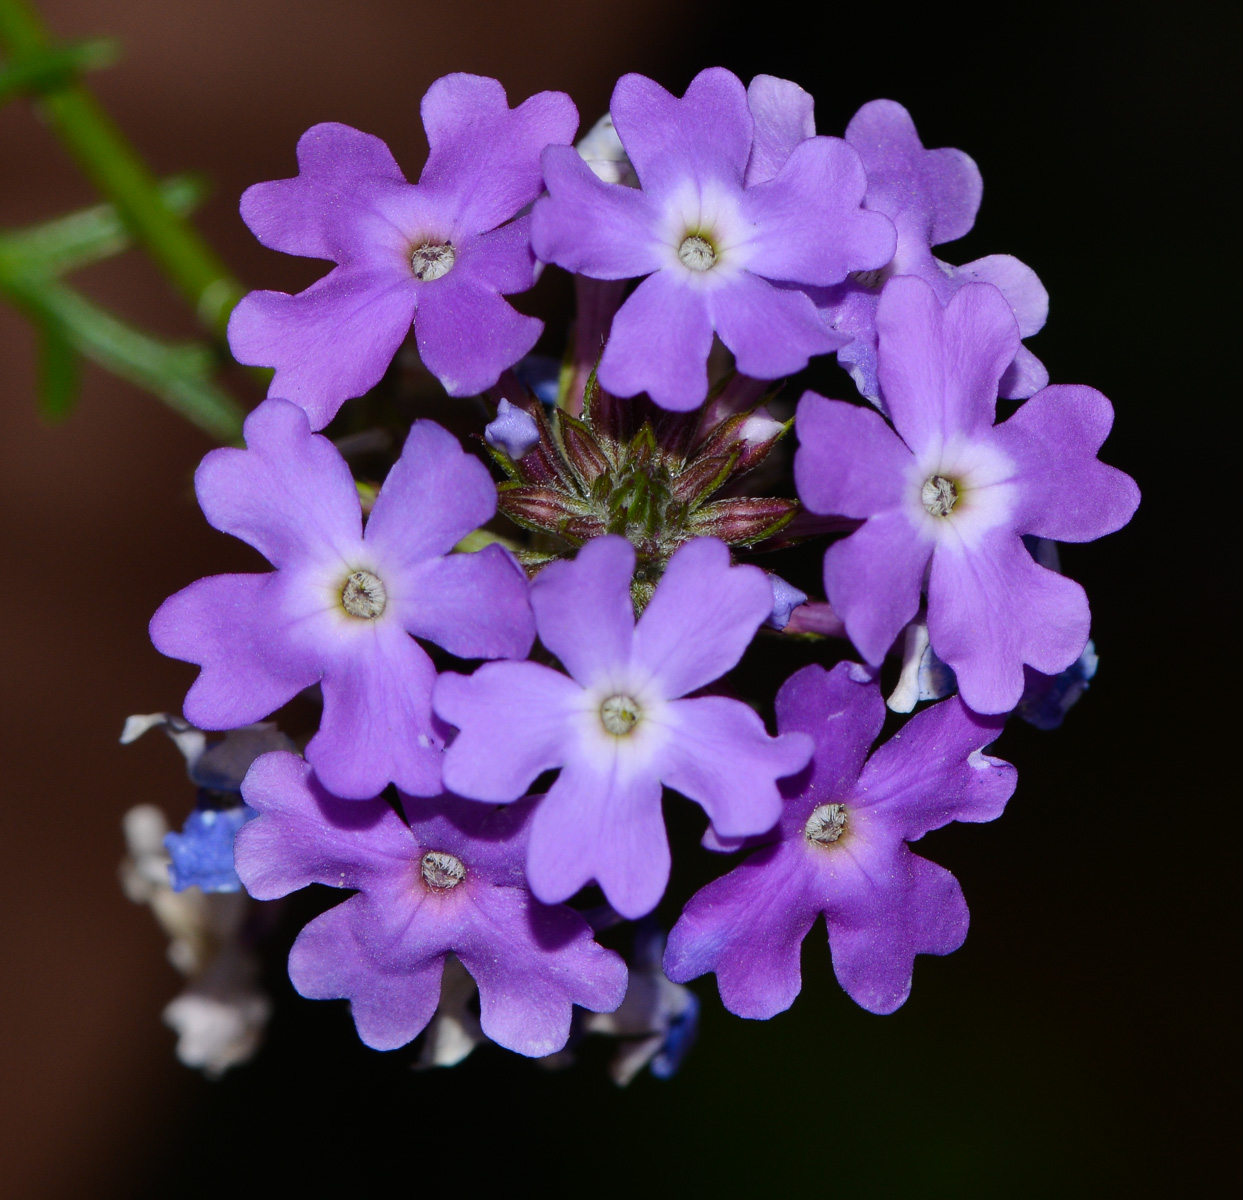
[{"x": 121, "y": 176}]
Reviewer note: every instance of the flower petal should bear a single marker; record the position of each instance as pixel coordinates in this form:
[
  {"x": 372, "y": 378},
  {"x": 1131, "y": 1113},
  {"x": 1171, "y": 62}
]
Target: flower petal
[
  {"x": 991, "y": 609},
  {"x": 904, "y": 905},
  {"x": 603, "y": 823},
  {"x": 344, "y": 179},
  {"x": 533, "y": 963},
  {"x": 720, "y": 755},
  {"x": 873, "y": 580},
  {"x": 772, "y": 331},
  {"x": 435, "y": 494},
  {"x": 483, "y": 163},
  {"x": 289, "y": 493},
  {"x": 583, "y": 610},
  {"x": 659, "y": 344},
  {"x": 377, "y": 725},
  {"x": 597, "y": 229},
  {"x": 934, "y": 772},
  {"x": 474, "y": 605},
  {"x": 705, "y": 135},
  {"x": 513, "y": 721},
  {"x": 748, "y": 927},
  {"x": 849, "y": 462},
  {"x": 784, "y": 115},
  {"x": 230, "y": 626},
  {"x": 1065, "y": 492},
  {"x": 938, "y": 367},
  {"x": 468, "y": 335},
  {"x": 701, "y": 618},
  {"x": 330, "y": 342},
  {"x": 344, "y": 955},
  {"x": 809, "y": 224},
  {"x": 304, "y": 835}
]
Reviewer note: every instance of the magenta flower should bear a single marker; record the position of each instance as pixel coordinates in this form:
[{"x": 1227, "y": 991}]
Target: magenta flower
[
  {"x": 438, "y": 253},
  {"x": 342, "y": 603},
  {"x": 932, "y": 197},
  {"x": 618, "y": 725},
  {"x": 947, "y": 498},
  {"x": 448, "y": 882},
  {"x": 841, "y": 849},
  {"x": 717, "y": 253}
]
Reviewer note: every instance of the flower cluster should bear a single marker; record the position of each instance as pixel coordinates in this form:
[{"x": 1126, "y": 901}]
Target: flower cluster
[{"x": 500, "y": 822}]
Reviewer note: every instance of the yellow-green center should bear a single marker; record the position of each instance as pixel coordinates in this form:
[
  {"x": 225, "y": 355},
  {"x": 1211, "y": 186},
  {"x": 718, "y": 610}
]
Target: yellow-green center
[
  {"x": 826, "y": 824},
  {"x": 939, "y": 495},
  {"x": 697, "y": 253},
  {"x": 619, "y": 714},
  {"x": 364, "y": 595}
]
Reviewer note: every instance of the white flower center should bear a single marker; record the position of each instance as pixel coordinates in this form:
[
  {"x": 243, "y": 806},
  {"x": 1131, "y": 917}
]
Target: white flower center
[
  {"x": 826, "y": 824},
  {"x": 431, "y": 260},
  {"x": 697, "y": 253},
  {"x": 620, "y": 714},
  {"x": 364, "y": 595},
  {"x": 442, "y": 871},
  {"x": 939, "y": 495}
]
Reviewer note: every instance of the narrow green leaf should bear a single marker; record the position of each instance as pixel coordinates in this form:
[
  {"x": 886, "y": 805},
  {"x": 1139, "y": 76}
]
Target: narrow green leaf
[
  {"x": 60, "y": 373},
  {"x": 45, "y": 70}
]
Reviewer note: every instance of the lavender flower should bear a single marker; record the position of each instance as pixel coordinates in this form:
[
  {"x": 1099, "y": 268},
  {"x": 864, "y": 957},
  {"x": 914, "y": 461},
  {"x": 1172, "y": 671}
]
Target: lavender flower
[
  {"x": 840, "y": 849},
  {"x": 931, "y": 196},
  {"x": 513, "y": 430},
  {"x": 438, "y": 253},
  {"x": 714, "y": 250},
  {"x": 341, "y": 606},
  {"x": 450, "y": 881},
  {"x": 618, "y": 726},
  {"x": 947, "y": 497}
]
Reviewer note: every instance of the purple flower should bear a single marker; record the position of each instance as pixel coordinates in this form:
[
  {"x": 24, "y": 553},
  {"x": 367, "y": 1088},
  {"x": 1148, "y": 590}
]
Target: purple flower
[
  {"x": 438, "y": 253},
  {"x": 618, "y": 726},
  {"x": 932, "y": 197},
  {"x": 840, "y": 849},
  {"x": 946, "y": 498},
  {"x": 717, "y": 253},
  {"x": 514, "y": 431},
  {"x": 450, "y": 881},
  {"x": 341, "y": 606},
  {"x": 201, "y": 855}
]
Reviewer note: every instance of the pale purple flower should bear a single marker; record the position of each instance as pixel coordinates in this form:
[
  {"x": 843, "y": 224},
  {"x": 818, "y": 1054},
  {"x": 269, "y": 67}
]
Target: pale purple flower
[
  {"x": 440, "y": 253},
  {"x": 841, "y": 849},
  {"x": 340, "y": 608},
  {"x": 447, "y": 880},
  {"x": 618, "y": 725},
  {"x": 947, "y": 497},
  {"x": 931, "y": 196},
  {"x": 786, "y": 598},
  {"x": 718, "y": 254}
]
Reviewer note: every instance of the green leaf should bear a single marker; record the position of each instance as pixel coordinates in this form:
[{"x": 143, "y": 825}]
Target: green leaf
[
  {"x": 74, "y": 241},
  {"x": 46, "y": 70},
  {"x": 60, "y": 373}
]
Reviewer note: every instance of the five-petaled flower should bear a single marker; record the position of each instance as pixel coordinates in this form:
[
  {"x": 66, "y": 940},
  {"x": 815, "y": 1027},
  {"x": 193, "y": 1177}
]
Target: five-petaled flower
[
  {"x": 342, "y": 603},
  {"x": 946, "y": 498},
  {"x": 619, "y": 724},
  {"x": 447, "y": 879},
  {"x": 440, "y": 253},
  {"x": 841, "y": 849}
]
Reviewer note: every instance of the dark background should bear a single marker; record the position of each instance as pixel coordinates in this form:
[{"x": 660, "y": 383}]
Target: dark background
[{"x": 1077, "y": 1045}]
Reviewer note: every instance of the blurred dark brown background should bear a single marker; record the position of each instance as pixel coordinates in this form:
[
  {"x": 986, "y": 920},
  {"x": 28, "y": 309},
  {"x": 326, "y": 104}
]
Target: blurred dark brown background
[{"x": 1075, "y": 1046}]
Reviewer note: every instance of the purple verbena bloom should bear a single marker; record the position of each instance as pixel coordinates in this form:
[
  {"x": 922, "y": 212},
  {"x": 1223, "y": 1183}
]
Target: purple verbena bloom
[
  {"x": 946, "y": 498},
  {"x": 513, "y": 430},
  {"x": 718, "y": 254},
  {"x": 440, "y": 253},
  {"x": 448, "y": 881},
  {"x": 618, "y": 725},
  {"x": 841, "y": 849},
  {"x": 342, "y": 603},
  {"x": 786, "y": 598},
  {"x": 932, "y": 197}
]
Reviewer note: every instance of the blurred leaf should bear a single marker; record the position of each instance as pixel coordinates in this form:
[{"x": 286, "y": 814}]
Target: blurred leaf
[
  {"x": 45, "y": 70},
  {"x": 81, "y": 238},
  {"x": 60, "y": 373},
  {"x": 178, "y": 373}
]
